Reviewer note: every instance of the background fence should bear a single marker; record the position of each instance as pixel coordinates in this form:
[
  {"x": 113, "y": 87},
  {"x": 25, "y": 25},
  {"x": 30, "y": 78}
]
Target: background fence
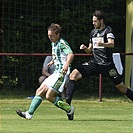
[
  {"x": 19, "y": 80},
  {"x": 24, "y": 23}
]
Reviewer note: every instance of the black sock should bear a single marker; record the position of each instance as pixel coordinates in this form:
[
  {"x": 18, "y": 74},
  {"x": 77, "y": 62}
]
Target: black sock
[
  {"x": 129, "y": 94},
  {"x": 70, "y": 90}
]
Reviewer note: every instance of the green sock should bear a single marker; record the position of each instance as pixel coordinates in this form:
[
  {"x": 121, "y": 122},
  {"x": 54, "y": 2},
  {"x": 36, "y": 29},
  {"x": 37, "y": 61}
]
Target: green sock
[
  {"x": 34, "y": 104},
  {"x": 60, "y": 104}
]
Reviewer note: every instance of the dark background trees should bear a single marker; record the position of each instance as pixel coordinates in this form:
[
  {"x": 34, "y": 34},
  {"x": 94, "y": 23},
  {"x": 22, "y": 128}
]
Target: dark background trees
[{"x": 24, "y": 24}]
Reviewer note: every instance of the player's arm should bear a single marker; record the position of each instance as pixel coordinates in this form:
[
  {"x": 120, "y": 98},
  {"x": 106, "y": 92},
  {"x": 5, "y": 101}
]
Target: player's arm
[
  {"x": 110, "y": 40},
  {"x": 50, "y": 63},
  {"x": 86, "y": 49},
  {"x": 70, "y": 58}
]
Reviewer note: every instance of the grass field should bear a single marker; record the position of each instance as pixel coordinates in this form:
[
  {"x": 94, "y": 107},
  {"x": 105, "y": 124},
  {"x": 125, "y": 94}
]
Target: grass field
[{"x": 91, "y": 116}]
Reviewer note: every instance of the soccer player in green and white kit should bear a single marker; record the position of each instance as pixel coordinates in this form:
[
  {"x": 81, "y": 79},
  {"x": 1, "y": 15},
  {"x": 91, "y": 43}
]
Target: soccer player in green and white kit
[{"x": 62, "y": 57}]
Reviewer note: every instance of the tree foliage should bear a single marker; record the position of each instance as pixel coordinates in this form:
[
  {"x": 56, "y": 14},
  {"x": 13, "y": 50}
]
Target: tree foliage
[{"x": 25, "y": 30}]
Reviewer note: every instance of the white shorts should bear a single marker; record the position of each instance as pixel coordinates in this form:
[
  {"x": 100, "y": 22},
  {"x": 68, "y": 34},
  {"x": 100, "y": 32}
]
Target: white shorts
[{"x": 56, "y": 82}]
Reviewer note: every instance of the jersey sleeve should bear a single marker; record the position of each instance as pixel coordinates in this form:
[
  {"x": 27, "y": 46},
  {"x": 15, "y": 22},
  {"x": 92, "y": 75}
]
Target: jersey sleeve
[
  {"x": 110, "y": 33},
  {"x": 65, "y": 47}
]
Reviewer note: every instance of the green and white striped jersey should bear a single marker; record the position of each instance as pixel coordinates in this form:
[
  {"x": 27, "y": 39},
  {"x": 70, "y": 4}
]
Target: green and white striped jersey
[{"x": 60, "y": 50}]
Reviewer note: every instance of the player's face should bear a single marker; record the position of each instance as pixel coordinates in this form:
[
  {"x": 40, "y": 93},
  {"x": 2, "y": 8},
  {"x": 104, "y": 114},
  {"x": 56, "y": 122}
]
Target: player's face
[
  {"x": 53, "y": 37},
  {"x": 96, "y": 22}
]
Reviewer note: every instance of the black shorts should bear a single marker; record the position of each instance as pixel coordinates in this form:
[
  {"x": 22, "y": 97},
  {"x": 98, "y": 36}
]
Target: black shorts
[{"x": 91, "y": 68}]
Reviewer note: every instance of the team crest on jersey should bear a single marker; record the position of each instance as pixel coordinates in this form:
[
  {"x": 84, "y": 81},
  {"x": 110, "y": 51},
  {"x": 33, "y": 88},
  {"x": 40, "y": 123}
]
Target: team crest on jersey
[{"x": 112, "y": 72}]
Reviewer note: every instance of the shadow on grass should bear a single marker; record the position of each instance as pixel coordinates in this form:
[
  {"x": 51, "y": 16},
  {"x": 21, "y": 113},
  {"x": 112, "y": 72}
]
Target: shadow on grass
[
  {"x": 101, "y": 120},
  {"x": 78, "y": 95}
]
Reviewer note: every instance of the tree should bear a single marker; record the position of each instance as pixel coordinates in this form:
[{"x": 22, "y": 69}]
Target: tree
[{"x": 25, "y": 23}]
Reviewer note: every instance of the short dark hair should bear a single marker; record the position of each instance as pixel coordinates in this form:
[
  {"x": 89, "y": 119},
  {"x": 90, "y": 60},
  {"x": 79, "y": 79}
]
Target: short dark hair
[
  {"x": 55, "y": 27},
  {"x": 99, "y": 14}
]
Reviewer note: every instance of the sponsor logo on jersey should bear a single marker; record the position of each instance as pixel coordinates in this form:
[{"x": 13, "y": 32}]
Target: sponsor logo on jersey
[{"x": 113, "y": 72}]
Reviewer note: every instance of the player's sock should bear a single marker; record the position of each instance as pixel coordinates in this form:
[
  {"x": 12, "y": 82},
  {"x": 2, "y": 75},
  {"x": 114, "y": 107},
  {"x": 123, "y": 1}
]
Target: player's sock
[
  {"x": 56, "y": 100},
  {"x": 63, "y": 105},
  {"x": 129, "y": 94},
  {"x": 70, "y": 90},
  {"x": 34, "y": 104}
]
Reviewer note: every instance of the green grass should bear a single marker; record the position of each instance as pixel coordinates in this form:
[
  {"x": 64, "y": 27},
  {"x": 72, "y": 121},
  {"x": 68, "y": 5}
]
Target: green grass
[{"x": 91, "y": 116}]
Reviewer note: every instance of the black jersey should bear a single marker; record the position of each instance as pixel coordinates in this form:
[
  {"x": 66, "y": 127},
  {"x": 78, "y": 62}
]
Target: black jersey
[{"x": 101, "y": 55}]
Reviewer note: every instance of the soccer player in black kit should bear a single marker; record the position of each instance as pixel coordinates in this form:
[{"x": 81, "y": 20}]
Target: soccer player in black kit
[{"x": 100, "y": 45}]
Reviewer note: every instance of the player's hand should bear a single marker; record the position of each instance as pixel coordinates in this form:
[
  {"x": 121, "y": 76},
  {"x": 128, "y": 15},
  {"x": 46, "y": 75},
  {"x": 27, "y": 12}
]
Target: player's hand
[
  {"x": 50, "y": 63},
  {"x": 64, "y": 70},
  {"x": 99, "y": 43},
  {"x": 83, "y": 46}
]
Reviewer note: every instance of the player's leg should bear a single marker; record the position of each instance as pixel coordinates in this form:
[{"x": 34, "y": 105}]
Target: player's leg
[
  {"x": 51, "y": 95},
  {"x": 74, "y": 76},
  {"x": 85, "y": 70},
  {"x": 112, "y": 73},
  {"x": 56, "y": 84},
  {"x": 41, "y": 79},
  {"x": 123, "y": 89},
  {"x": 40, "y": 92},
  {"x": 35, "y": 102},
  {"x": 63, "y": 87}
]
